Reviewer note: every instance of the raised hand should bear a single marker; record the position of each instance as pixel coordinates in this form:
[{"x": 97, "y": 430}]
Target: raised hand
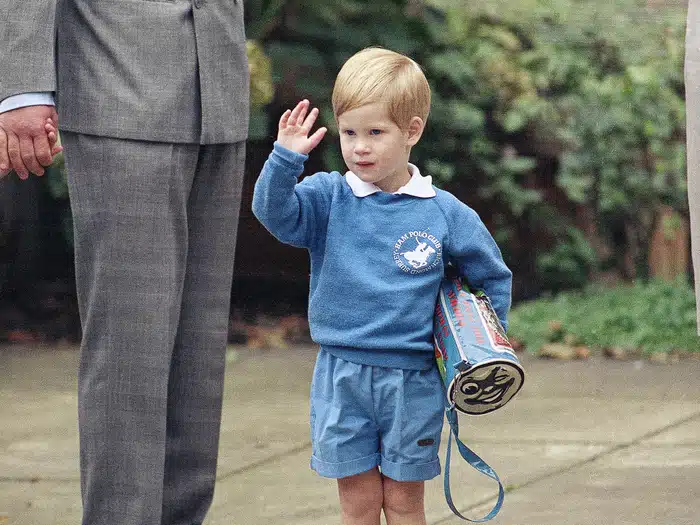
[{"x": 295, "y": 126}]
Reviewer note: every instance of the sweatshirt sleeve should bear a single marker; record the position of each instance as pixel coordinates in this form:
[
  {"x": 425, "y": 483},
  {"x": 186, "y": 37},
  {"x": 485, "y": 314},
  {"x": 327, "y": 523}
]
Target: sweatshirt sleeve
[
  {"x": 479, "y": 259},
  {"x": 295, "y": 213}
]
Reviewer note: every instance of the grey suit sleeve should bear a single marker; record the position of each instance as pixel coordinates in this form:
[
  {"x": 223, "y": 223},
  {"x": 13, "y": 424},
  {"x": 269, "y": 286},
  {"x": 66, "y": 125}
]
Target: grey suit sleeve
[
  {"x": 42, "y": 98},
  {"x": 27, "y": 41}
]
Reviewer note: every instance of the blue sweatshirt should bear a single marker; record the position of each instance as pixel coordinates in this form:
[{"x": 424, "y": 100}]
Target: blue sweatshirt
[{"x": 377, "y": 260}]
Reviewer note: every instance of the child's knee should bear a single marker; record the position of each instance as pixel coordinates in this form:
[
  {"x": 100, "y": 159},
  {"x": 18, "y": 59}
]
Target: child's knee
[
  {"x": 361, "y": 494},
  {"x": 403, "y": 497}
]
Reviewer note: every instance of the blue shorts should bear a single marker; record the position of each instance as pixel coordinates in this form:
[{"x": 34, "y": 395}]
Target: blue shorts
[{"x": 365, "y": 416}]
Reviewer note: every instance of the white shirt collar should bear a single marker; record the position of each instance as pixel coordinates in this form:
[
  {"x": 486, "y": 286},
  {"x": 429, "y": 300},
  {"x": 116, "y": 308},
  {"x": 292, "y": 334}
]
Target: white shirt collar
[{"x": 417, "y": 186}]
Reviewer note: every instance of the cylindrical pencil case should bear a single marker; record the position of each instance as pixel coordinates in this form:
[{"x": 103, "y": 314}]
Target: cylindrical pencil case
[{"x": 478, "y": 365}]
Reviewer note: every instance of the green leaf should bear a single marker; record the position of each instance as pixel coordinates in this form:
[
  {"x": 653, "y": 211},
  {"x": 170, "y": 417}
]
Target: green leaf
[
  {"x": 258, "y": 126},
  {"x": 515, "y": 120},
  {"x": 518, "y": 164}
]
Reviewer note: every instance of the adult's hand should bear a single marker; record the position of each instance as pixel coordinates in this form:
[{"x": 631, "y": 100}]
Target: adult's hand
[
  {"x": 26, "y": 142},
  {"x": 4, "y": 157}
]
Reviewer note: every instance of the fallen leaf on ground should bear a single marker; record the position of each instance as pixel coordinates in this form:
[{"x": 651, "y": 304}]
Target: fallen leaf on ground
[
  {"x": 615, "y": 352},
  {"x": 582, "y": 352},
  {"x": 557, "y": 351},
  {"x": 659, "y": 357}
]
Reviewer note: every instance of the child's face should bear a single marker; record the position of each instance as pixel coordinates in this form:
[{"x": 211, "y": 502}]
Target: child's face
[{"x": 374, "y": 147}]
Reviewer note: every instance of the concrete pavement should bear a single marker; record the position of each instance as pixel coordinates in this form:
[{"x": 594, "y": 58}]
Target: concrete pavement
[{"x": 586, "y": 442}]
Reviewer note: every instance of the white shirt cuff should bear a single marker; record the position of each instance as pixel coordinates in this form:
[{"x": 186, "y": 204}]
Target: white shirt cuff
[{"x": 44, "y": 98}]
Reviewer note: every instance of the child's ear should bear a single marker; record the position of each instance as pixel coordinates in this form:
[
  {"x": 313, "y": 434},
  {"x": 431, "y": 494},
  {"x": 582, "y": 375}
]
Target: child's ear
[{"x": 415, "y": 130}]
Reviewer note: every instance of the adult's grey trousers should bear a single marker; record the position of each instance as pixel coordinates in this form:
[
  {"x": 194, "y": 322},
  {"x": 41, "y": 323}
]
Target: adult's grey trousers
[{"x": 155, "y": 235}]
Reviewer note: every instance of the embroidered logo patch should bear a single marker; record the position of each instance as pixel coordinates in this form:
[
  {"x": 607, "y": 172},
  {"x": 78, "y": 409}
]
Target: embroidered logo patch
[
  {"x": 417, "y": 252},
  {"x": 425, "y": 442}
]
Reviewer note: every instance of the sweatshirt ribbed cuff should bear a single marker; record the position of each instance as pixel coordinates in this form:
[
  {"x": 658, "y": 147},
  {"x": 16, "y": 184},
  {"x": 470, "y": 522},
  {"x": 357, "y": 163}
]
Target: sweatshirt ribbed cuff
[{"x": 288, "y": 158}]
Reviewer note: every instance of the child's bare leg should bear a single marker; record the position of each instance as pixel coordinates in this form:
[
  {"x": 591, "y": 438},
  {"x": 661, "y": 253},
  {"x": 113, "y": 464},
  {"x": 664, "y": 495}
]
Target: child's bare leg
[
  {"x": 403, "y": 502},
  {"x": 361, "y": 498}
]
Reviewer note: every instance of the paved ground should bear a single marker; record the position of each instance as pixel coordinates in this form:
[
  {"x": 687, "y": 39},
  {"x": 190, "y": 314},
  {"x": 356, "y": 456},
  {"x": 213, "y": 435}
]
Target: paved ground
[{"x": 585, "y": 443}]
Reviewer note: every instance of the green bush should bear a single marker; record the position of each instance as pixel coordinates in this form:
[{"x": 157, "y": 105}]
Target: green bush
[
  {"x": 655, "y": 317},
  {"x": 568, "y": 264}
]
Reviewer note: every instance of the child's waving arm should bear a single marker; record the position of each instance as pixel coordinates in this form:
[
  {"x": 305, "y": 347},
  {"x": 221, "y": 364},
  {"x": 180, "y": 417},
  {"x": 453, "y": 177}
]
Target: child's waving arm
[
  {"x": 295, "y": 126},
  {"x": 294, "y": 213}
]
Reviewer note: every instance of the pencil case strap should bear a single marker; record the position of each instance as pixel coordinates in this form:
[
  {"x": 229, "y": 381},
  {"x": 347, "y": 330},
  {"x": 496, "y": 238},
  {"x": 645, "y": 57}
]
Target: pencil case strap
[{"x": 475, "y": 461}]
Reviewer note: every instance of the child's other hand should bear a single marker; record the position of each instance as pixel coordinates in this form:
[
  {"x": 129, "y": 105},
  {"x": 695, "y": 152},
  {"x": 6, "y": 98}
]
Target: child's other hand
[
  {"x": 52, "y": 135},
  {"x": 294, "y": 128}
]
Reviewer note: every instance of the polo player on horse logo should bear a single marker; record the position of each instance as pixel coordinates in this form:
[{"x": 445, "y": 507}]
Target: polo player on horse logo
[{"x": 419, "y": 257}]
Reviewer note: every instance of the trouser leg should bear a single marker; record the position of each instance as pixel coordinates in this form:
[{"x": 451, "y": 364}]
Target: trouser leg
[
  {"x": 130, "y": 203},
  {"x": 197, "y": 371}
]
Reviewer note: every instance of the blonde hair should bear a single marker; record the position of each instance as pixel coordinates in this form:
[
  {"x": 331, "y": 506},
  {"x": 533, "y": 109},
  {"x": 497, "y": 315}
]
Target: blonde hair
[{"x": 379, "y": 75}]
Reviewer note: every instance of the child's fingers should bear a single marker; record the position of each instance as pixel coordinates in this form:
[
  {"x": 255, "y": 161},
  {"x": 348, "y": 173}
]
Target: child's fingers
[
  {"x": 51, "y": 134},
  {"x": 284, "y": 119},
  {"x": 316, "y": 138},
  {"x": 295, "y": 113},
  {"x": 302, "y": 114},
  {"x": 49, "y": 126},
  {"x": 309, "y": 122}
]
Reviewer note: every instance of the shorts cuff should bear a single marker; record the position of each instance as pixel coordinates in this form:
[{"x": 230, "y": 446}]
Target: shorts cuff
[
  {"x": 345, "y": 468},
  {"x": 403, "y": 472}
]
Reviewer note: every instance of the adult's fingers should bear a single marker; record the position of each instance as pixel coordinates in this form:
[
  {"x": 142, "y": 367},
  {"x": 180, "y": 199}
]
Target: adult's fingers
[
  {"x": 4, "y": 157},
  {"x": 54, "y": 116},
  {"x": 23, "y": 126},
  {"x": 26, "y": 148},
  {"x": 15, "y": 157},
  {"x": 42, "y": 150}
]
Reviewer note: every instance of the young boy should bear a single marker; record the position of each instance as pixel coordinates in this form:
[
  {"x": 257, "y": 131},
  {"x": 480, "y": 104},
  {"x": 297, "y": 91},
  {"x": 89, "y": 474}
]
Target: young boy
[{"x": 379, "y": 239}]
